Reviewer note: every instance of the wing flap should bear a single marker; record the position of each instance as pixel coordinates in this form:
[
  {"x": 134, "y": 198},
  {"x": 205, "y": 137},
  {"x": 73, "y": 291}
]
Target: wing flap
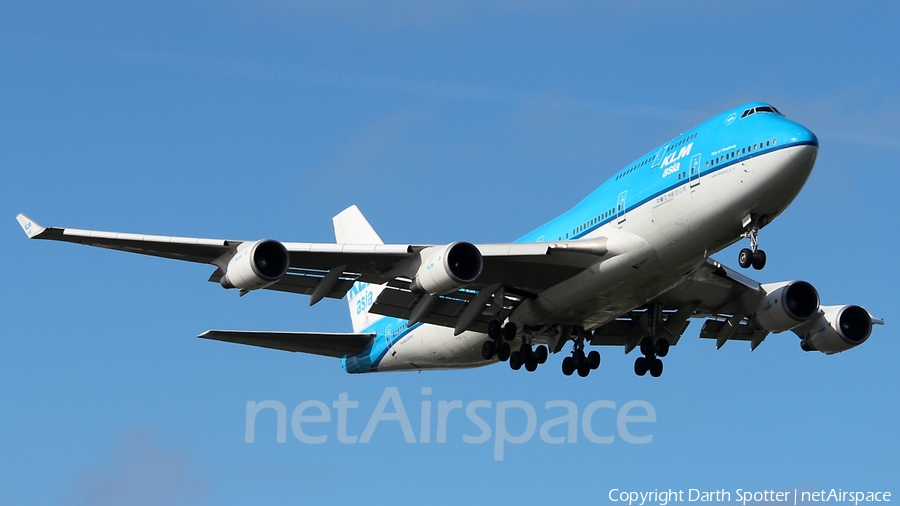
[
  {"x": 446, "y": 311},
  {"x": 316, "y": 343},
  {"x": 303, "y": 282}
]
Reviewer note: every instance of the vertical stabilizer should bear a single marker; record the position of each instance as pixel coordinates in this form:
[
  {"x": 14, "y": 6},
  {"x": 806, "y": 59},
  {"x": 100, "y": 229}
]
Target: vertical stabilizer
[{"x": 351, "y": 227}]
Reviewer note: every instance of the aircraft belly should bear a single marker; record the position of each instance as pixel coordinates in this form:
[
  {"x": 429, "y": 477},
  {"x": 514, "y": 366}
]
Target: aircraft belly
[{"x": 435, "y": 347}]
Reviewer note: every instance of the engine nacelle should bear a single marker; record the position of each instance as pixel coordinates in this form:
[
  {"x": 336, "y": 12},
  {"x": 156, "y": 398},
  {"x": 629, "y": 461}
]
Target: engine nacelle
[
  {"x": 787, "y": 305},
  {"x": 448, "y": 268},
  {"x": 256, "y": 265},
  {"x": 838, "y": 329}
]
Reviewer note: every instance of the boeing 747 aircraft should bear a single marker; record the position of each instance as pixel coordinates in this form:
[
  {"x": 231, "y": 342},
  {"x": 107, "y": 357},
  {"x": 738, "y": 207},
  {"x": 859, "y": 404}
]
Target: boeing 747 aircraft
[{"x": 627, "y": 266}]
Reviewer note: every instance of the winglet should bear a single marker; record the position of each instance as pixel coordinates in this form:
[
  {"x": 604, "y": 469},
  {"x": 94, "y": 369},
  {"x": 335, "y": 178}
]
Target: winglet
[{"x": 30, "y": 226}]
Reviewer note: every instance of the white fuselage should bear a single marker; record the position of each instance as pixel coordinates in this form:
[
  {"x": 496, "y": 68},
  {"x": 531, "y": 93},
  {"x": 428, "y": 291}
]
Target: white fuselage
[{"x": 679, "y": 230}]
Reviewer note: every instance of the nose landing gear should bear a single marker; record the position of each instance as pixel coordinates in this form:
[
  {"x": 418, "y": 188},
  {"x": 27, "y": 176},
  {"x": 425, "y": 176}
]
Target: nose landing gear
[{"x": 752, "y": 255}]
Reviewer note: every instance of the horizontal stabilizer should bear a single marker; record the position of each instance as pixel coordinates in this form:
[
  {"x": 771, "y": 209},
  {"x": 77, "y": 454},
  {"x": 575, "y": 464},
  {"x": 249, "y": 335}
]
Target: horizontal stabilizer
[{"x": 316, "y": 343}]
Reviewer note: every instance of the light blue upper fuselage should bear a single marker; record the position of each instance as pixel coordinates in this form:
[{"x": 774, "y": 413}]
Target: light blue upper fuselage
[
  {"x": 718, "y": 143},
  {"x": 713, "y": 145}
]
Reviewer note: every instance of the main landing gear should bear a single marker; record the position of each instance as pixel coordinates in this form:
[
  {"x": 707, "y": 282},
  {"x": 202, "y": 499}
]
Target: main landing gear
[
  {"x": 526, "y": 355},
  {"x": 752, "y": 255},
  {"x": 650, "y": 361},
  {"x": 530, "y": 358},
  {"x": 580, "y": 362},
  {"x": 498, "y": 343}
]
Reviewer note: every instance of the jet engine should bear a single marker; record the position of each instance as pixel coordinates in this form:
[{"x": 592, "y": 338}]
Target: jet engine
[
  {"x": 786, "y": 305},
  {"x": 447, "y": 268},
  {"x": 838, "y": 329},
  {"x": 256, "y": 265}
]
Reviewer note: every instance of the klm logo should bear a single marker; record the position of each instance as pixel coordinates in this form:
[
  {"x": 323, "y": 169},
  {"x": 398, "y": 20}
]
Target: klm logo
[
  {"x": 673, "y": 156},
  {"x": 669, "y": 161}
]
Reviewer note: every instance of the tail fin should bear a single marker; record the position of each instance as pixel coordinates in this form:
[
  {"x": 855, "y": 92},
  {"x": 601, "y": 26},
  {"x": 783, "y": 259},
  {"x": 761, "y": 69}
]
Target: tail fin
[{"x": 351, "y": 227}]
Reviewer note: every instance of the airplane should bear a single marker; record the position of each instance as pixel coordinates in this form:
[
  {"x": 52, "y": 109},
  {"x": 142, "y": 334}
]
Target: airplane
[{"x": 628, "y": 266}]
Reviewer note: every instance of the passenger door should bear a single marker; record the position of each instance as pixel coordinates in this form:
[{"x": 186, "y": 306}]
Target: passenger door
[
  {"x": 695, "y": 170},
  {"x": 620, "y": 208}
]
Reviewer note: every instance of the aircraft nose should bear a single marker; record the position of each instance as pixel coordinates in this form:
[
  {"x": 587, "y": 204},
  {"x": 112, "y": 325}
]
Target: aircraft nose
[{"x": 802, "y": 135}]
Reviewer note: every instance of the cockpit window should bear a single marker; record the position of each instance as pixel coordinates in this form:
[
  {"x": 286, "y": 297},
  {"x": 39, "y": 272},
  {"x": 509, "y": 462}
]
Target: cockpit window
[{"x": 763, "y": 108}]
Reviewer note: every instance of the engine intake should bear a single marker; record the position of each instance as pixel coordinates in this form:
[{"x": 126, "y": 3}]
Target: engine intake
[
  {"x": 448, "y": 268},
  {"x": 838, "y": 329},
  {"x": 787, "y": 305},
  {"x": 256, "y": 265}
]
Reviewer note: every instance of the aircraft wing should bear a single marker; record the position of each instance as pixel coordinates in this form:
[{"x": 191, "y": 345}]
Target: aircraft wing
[
  {"x": 716, "y": 289},
  {"x": 327, "y": 344},
  {"x": 725, "y": 297},
  {"x": 525, "y": 267},
  {"x": 179, "y": 248}
]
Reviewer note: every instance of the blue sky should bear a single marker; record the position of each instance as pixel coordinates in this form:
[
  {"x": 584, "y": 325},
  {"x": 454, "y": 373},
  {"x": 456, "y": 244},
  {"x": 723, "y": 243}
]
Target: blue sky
[{"x": 442, "y": 121}]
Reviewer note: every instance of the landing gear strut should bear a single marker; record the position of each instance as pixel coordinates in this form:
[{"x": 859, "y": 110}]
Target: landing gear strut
[
  {"x": 752, "y": 255},
  {"x": 650, "y": 361},
  {"x": 580, "y": 362}
]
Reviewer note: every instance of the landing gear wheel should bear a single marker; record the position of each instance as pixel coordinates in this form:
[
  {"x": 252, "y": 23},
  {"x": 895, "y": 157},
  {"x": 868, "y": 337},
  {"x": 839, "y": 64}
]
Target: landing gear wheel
[
  {"x": 503, "y": 352},
  {"x": 745, "y": 258},
  {"x": 487, "y": 350},
  {"x": 759, "y": 259},
  {"x": 531, "y": 364},
  {"x": 656, "y": 368},
  {"x": 568, "y": 366},
  {"x": 515, "y": 361},
  {"x": 662, "y": 347},
  {"x": 494, "y": 329},
  {"x": 509, "y": 331},
  {"x": 641, "y": 366},
  {"x": 541, "y": 354},
  {"x": 593, "y": 360},
  {"x": 647, "y": 346},
  {"x": 584, "y": 369},
  {"x": 578, "y": 357},
  {"x": 525, "y": 352}
]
